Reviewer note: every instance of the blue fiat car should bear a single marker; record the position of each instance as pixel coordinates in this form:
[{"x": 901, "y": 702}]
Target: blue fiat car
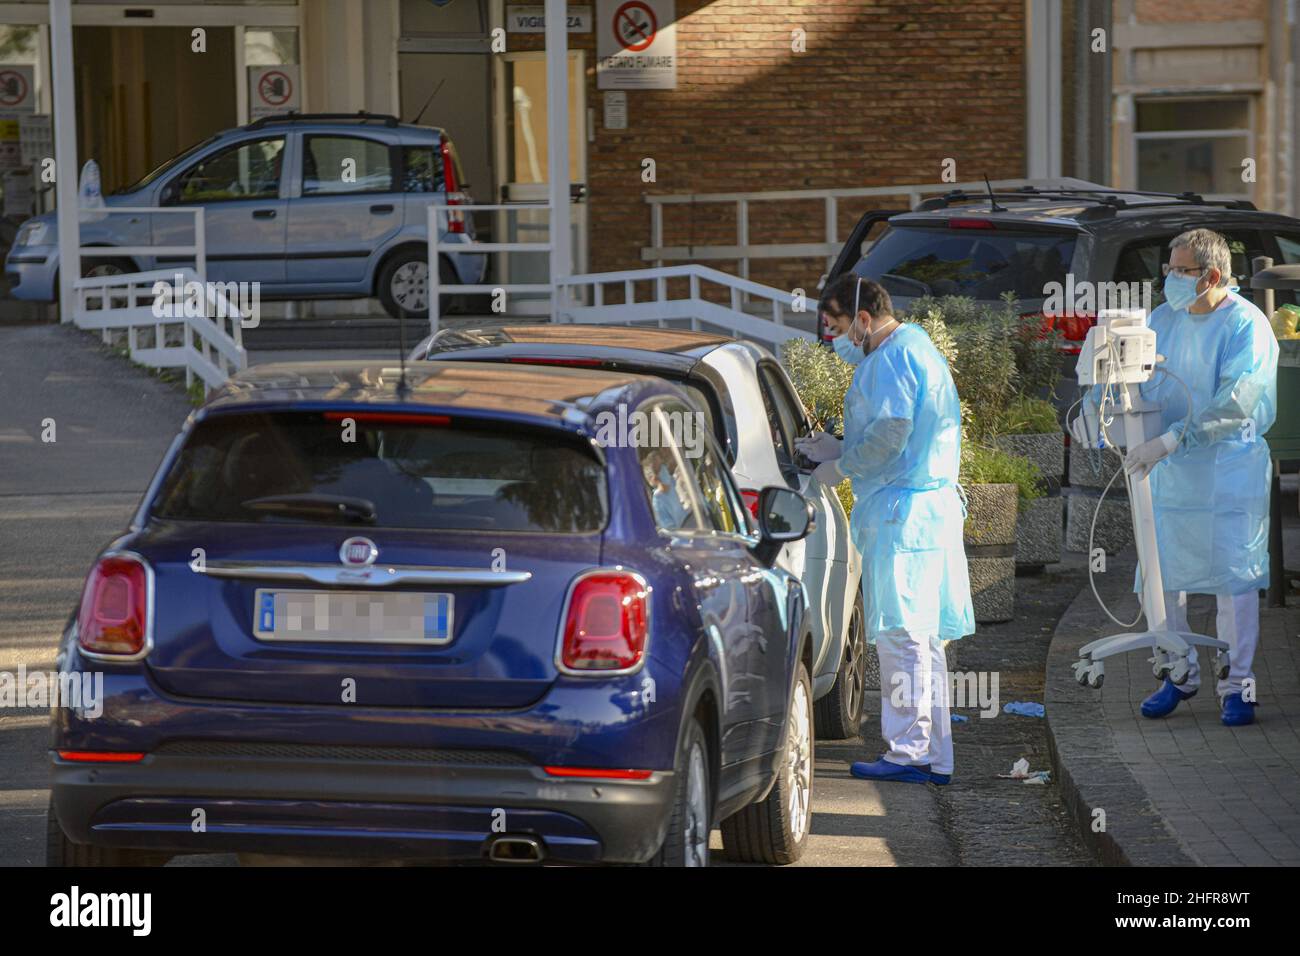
[{"x": 451, "y": 612}]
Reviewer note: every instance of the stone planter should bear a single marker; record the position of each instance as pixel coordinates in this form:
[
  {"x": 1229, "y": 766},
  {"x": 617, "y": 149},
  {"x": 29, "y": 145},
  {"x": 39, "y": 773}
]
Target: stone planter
[
  {"x": 1040, "y": 529},
  {"x": 1090, "y": 470},
  {"x": 990, "y": 539},
  {"x": 1046, "y": 450},
  {"x": 1114, "y": 530}
]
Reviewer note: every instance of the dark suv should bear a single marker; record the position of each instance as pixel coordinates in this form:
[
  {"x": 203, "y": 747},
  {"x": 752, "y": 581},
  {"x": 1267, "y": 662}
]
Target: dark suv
[{"x": 1022, "y": 240}]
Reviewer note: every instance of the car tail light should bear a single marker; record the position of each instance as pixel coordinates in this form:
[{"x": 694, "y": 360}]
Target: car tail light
[
  {"x": 114, "y": 615},
  {"x": 455, "y": 220},
  {"x": 970, "y": 224},
  {"x": 598, "y": 773},
  {"x": 100, "y": 756},
  {"x": 751, "y": 500},
  {"x": 1073, "y": 326},
  {"x": 607, "y": 623}
]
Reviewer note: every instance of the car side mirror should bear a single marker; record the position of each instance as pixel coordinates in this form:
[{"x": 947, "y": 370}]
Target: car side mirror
[
  {"x": 784, "y": 515},
  {"x": 170, "y": 193}
]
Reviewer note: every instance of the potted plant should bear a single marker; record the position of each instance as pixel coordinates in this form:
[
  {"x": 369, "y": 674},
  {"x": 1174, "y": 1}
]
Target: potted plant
[
  {"x": 996, "y": 485},
  {"x": 1028, "y": 428}
]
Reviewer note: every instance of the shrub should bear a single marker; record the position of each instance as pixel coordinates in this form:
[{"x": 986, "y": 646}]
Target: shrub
[
  {"x": 822, "y": 380},
  {"x": 983, "y": 465},
  {"x": 1038, "y": 354},
  {"x": 982, "y": 342},
  {"x": 820, "y": 377},
  {"x": 1027, "y": 416}
]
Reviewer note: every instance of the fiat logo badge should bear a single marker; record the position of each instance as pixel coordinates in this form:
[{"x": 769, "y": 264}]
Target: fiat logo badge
[{"x": 358, "y": 552}]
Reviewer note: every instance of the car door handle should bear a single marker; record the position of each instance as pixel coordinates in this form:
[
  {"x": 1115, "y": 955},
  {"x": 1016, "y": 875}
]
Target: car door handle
[
  {"x": 382, "y": 209},
  {"x": 263, "y": 213}
]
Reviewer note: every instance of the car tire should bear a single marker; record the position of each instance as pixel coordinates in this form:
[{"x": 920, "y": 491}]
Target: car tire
[
  {"x": 839, "y": 712},
  {"x": 60, "y": 851},
  {"x": 775, "y": 830},
  {"x": 409, "y": 269},
  {"x": 687, "y": 840}
]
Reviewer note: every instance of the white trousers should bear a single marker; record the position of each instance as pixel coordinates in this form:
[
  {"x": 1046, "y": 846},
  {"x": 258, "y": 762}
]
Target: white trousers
[
  {"x": 914, "y": 717},
  {"x": 1237, "y": 623}
]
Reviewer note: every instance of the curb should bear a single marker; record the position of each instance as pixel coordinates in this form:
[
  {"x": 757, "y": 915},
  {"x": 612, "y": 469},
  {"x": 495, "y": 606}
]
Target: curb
[{"x": 1082, "y": 748}]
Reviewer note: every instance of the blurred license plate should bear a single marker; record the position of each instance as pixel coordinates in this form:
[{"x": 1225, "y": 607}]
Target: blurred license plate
[{"x": 395, "y": 617}]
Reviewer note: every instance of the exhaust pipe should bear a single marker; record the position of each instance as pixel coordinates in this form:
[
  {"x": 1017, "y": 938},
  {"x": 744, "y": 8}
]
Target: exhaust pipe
[{"x": 516, "y": 848}]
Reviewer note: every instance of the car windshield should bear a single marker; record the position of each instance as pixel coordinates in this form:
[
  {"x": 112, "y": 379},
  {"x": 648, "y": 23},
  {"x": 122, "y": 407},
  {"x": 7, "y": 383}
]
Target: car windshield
[
  {"x": 381, "y": 469},
  {"x": 980, "y": 263},
  {"x": 170, "y": 164}
]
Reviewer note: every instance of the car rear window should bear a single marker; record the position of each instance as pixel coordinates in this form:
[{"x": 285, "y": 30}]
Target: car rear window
[
  {"x": 395, "y": 472},
  {"x": 980, "y": 263}
]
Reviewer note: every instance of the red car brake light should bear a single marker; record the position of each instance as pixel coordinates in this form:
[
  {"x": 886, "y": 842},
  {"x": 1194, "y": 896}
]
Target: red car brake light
[
  {"x": 751, "y": 500},
  {"x": 114, "y": 614},
  {"x": 389, "y": 418},
  {"x": 607, "y": 623},
  {"x": 100, "y": 756},
  {"x": 970, "y": 224}
]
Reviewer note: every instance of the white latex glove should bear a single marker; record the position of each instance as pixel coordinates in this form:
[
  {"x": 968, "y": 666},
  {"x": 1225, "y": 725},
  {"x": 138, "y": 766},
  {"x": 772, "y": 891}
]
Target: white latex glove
[
  {"x": 828, "y": 473},
  {"x": 819, "y": 446},
  {"x": 1140, "y": 460}
]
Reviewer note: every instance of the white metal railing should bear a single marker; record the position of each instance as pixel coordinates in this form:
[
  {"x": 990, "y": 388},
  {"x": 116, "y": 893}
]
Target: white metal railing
[
  {"x": 210, "y": 345},
  {"x": 436, "y": 246},
  {"x": 773, "y": 316},
  {"x": 743, "y": 251},
  {"x": 198, "y": 249}
]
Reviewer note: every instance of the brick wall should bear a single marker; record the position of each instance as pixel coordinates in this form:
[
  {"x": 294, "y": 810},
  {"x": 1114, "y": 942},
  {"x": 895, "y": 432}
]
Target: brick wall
[{"x": 885, "y": 92}]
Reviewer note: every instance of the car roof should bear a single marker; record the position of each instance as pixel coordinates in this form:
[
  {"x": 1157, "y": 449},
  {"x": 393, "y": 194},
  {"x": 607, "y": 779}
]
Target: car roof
[
  {"x": 540, "y": 393},
  {"x": 1084, "y": 207},
  {"x": 333, "y": 122},
  {"x": 656, "y": 350}
]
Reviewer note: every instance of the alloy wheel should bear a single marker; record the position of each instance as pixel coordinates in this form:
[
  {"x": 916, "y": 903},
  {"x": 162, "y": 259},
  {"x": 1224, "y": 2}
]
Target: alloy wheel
[
  {"x": 697, "y": 809},
  {"x": 799, "y": 762}
]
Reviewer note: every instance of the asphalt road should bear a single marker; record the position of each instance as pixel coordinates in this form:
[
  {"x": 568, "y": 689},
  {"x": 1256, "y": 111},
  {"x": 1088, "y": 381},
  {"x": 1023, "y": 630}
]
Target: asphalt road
[{"x": 60, "y": 502}]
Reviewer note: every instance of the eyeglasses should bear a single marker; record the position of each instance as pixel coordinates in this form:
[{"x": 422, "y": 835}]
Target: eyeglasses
[{"x": 1193, "y": 272}]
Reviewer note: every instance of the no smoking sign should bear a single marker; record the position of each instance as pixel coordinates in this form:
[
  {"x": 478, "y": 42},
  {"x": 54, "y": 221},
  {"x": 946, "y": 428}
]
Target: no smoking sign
[
  {"x": 636, "y": 45},
  {"x": 635, "y": 26}
]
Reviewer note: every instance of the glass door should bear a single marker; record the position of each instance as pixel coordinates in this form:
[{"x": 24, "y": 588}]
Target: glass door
[{"x": 522, "y": 131}]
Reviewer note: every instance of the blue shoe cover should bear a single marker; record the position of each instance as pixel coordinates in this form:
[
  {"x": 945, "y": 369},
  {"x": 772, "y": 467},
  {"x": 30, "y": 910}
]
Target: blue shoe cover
[
  {"x": 1163, "y": 701},
  {"x": 884, "y": 770},
  {"x": 940, "y": 779},
  {"x": 1236, "y": 712}
]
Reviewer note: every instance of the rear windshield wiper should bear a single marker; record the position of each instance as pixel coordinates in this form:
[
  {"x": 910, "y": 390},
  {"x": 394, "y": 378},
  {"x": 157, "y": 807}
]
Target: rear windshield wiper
[{"x": 358, "y": 510}]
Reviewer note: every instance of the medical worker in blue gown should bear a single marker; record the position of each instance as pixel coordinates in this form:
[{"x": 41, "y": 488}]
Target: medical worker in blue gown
[
  {"x": 901, "y": 449},
  {"x": 1210, "y": 469}
]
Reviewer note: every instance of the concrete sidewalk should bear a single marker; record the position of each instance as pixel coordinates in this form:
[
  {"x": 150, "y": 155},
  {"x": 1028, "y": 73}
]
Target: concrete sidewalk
[{"x": 1184, "y": 790}]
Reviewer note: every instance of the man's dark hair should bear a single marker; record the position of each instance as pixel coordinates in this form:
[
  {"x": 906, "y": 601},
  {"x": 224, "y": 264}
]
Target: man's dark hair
[{"x": 838, "y": 297}]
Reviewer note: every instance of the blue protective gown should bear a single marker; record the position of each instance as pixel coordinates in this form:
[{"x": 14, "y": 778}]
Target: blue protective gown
[
  {"x": 1211, "y": 494},
  {"x": 902, "y": 449}
]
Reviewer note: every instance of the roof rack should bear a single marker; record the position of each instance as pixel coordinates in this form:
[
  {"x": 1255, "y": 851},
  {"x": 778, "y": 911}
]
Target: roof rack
[
  {"x": 361, "y": 116},
  {"x": 1107, "y": 201}
]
